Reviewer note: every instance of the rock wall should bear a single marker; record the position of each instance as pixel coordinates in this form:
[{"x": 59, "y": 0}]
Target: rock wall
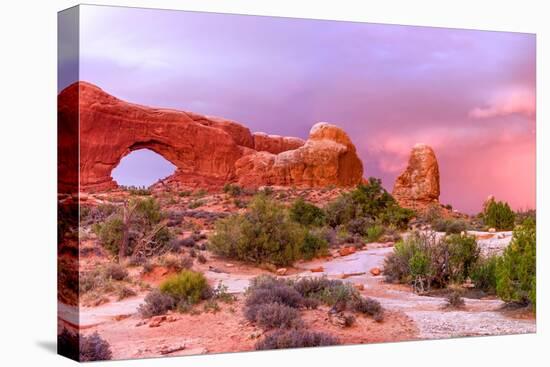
[{"x": 207, "y": 151}]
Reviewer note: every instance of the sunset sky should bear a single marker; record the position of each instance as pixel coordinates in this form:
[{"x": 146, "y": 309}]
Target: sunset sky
[{"x": 468, "y": 94}]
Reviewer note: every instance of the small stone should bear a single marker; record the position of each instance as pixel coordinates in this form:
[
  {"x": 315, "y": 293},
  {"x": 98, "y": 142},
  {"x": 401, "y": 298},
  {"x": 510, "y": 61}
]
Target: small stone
[
  {"x": 318, "y": 269},
  {"x": 359, "y": 286},
  {"x": 375, "y": 271},
  {"x": 281, "y": 271},
  {"x": 492, "y": 230},
  {"x": 157, "y": 321}
]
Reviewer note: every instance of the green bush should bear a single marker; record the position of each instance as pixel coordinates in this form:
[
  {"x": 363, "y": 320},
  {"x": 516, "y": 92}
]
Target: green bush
[
  {"x": 187, "y": 286},
  {"x": 498, "y": 215},
  {"x": 144, "y": 215},
  {"x": 450, "y": 226},
  {"x": 110, "y": 233},
  {"x": 484, "y": 274},
  {"x": 284, "y": 339},
  {"x": 424, "y": 260},
  {"x": 370, "y": 201},
  {"x": 374, "y": 233},
  {"x": 516, "y": 270},
  {"x": 232, "y": 189},
  {"x": 156, "y": 303},
  {"x": 264, "y": 234},
  {"x": 307, "y": 214},
  {"x": 313, "y": 245},
  {"x": 463, "y": 254}
]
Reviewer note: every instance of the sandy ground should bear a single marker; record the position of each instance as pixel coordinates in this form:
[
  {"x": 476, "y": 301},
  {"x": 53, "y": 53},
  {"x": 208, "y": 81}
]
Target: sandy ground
[{"x": 408, "y": 316}]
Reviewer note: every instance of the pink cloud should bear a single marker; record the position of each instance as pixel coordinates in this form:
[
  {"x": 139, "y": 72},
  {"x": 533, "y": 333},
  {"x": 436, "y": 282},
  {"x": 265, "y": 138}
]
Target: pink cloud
[{"x": 516, "y": 101}]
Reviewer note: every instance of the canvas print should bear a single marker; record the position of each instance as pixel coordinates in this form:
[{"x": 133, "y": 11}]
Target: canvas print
[{"x": 231, "y": 183}]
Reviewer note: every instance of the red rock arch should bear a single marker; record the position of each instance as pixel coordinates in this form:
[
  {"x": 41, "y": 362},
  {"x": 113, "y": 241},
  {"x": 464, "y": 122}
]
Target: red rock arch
[{"x": 207, "y": 151}]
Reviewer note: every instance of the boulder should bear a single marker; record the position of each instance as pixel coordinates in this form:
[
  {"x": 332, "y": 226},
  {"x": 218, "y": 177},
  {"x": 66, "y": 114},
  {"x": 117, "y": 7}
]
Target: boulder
[{"x": 418, "y": 186}]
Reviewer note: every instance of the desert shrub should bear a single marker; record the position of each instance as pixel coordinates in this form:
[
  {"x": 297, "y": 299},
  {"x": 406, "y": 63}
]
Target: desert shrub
[
  {"x": 450, "y": 226},
  {"x": 201, "y": 259},
  {"x": 268, "y": 289},
  {"x": 232, "y": 189},
  {"x": 374, "y": 233},
  {"x": 188, "y": 286},
  {"x": 368, "y": 306},
  {"x": 313, "y": 245},
  {"x": 325, "y": 290},
  {"x": 156, "y": 303},
  {"x": 125, "y": 292},
  {"x": 359, "y": 226},
  {"x": 68, "y": 344},
  {"x": 264, "y": 234},
  {"x": 83, "y": 348},
  {"x": 306, "y": 214},
  {"x": 523, "y": 215},
  {"x": 196, "y": 203},
  {"x": 340, "y": 211},
  {"x": 370, "y": 201},
  {"x": 484, "y": 274},
  {"x": 94, "y": 348},
  {"x": 516, "y": 270},
  {"x": 147, "y": 267},
  {"x": 424, "y": 260},
  {"x": 498, "y": 215},
  {"x": 454, "y": 300},
  {"x": 176, "y": 263},
  {"x": 396, "y": 264},
  {"x": 221, "y": 293},
  {"x": 110, "y": 233},
  {"x": 148, "y": 211},
  {"x": 463, "y": 254},
  {"x": 115, "y": 272},
  {"x": 184, "y": 193},
  {"x": 239, "y": 203},
  {"x": 396, "y": 216},
  {"x": 274, "y": 315},
  {"x": 432, "y": 214},
  {"x": 299, "y": 338}
]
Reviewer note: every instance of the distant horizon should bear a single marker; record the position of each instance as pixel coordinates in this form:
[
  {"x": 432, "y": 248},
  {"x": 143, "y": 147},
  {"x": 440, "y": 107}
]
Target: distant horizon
[{"x": 469, "y": 94}]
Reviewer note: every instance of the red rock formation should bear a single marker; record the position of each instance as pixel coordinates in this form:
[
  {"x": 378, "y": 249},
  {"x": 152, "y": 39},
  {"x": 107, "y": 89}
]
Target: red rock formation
[
  {"x": 327, "y": 158},
  {"x": 275, "y": 144},
  {"x": 207, "y": 151},
  {"x": 418, "y": 186}
]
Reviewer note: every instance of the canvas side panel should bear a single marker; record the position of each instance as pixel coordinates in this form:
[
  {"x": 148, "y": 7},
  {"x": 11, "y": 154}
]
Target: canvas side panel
[{"x": 67, "y": 183}]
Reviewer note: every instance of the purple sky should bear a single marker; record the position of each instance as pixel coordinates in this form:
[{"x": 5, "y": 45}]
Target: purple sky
[{"x": 468, "y": 94}]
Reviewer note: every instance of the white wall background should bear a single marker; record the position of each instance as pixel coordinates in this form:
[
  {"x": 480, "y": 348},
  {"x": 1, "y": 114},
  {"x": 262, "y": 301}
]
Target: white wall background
[{"x": 28, "y": 180}]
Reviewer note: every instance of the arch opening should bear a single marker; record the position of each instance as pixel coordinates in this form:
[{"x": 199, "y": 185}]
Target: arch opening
[{"x": 142, "y": 167}]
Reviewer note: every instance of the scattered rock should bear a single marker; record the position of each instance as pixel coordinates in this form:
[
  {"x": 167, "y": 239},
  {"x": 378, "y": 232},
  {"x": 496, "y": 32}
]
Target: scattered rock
[
  {"x": 169, "y": 350},
  {"x": 281, "y": 271},
  {"x": 157, "y": 321},
  {"x": 492, "y": 230},
  {"x": 375, "y": 271},
  {"x": 347, "y": 275},
  {"x": 345, "y": 251},
  {"x": 318, "y": 269},
  {"x": 341, "y": 319}
]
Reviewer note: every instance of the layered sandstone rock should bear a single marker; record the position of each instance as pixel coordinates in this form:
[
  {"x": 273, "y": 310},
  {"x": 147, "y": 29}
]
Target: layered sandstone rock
[
  {"x": 207, "y": 151},
  {"x": 328, "y": 157},
  {"x": 274, "y": 143},
  {"x": 418, "y": 186}
]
